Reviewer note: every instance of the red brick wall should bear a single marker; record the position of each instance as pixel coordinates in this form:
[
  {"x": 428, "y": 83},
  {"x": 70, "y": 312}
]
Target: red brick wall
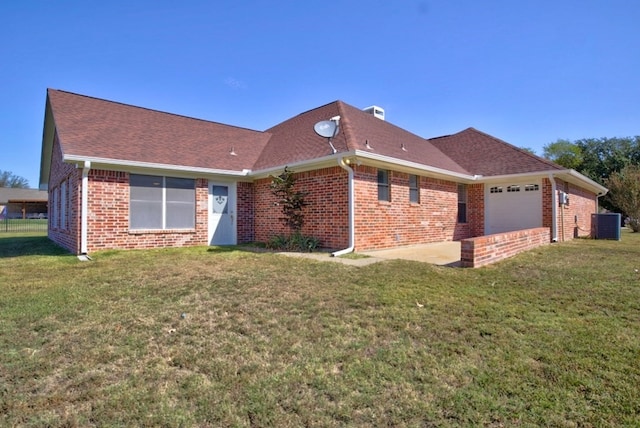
[
  {"x": 574, "y": 219},
  {"x": 246, "y": 212},
  {"x": 483, "y": 250},
  {"x": 108, "y": 220},
  {"x": 326, "y": 216},
  {"x": 68, "y": 235},
  {"x": 382, "y": 224}
]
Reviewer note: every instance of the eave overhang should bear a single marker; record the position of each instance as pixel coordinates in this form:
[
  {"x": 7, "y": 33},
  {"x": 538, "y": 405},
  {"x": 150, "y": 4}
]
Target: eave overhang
[
  {"x": 568, "y": 175},
  {"x": 152, "y": 168}
]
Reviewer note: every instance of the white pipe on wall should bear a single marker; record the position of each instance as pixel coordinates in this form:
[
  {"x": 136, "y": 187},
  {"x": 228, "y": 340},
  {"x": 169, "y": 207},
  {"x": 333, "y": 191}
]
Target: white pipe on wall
[
  {"x": 554, "y": 209},
  {"x": 352, "y": 228},
  {"x": 84, "y": 208}
]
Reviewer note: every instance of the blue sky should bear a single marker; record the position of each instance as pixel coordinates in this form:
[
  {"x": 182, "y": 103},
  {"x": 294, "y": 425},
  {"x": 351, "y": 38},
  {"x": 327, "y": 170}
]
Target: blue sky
[{"x": 528, "y": 72}]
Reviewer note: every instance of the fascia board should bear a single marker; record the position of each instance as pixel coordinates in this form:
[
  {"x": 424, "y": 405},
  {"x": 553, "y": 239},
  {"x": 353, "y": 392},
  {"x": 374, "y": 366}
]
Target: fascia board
[
  {"x": 520, "y": 176},
  {"x": 601, "y": 190},
  {"x": 567, "y": 174},
  {"x": 302, "y": 166},
  {"x": 46, "y": 154},
  {"x": 414, "y": 167},
  {"x": 120, "y": 165}
]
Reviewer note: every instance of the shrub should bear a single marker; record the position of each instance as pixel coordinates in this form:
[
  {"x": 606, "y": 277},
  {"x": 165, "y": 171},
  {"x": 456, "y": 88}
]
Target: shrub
[{"x": 295, "y": 242}]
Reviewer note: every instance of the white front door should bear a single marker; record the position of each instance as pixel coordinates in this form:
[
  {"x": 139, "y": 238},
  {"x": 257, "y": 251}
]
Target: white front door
[{"x": 222, "y": 213}]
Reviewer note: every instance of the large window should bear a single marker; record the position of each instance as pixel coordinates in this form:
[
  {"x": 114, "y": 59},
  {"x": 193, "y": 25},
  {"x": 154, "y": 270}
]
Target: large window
[
  {"x": 161, "y": 202},
  {"x": 383, "y": 185},
  {"x": 462, "y": 203},
  {"x": 414, "y": 189}
]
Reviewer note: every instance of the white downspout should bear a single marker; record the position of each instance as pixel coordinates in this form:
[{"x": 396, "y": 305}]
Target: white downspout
[
  {"x": 352, "y": 228},
  {"x": 554, "y": 209},
  {"x": 84, "y": 208}
]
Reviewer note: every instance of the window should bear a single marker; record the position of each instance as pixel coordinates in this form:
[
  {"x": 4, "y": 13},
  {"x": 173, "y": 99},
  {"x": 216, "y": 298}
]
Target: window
[
  {"x": 414, "y": 189},
  {"x": 531, "y": 188},
  {"x": 53, "y": 207},
  {"x": 513, "y": 188},
  {"x": 63, "y": 205},
  {"x": 496, "y": 189},
  {"x": 383, "y": 185},
  {"x": 161, "y": 202},
  {"x": 462, "y": 203}
]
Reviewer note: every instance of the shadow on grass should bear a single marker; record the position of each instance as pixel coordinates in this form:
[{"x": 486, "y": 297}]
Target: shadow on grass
[
  {"x": 17, "y": 245},
  {"x": 224, "y": 249}
]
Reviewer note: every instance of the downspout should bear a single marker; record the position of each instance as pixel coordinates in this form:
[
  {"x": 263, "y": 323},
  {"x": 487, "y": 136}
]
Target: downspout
[
  {"x": 352, "y": 228},
  {"x": 554, "y": 209},
  {"x": 84, "y": 208}
]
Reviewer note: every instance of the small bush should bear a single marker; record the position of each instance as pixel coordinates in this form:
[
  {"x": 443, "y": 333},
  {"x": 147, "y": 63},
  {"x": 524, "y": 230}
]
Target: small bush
[{"x": 295, "y": 242}]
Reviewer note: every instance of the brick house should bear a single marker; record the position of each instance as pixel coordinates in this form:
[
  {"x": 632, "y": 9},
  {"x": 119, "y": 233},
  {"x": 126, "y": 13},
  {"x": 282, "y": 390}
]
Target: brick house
[{"x": 125, "y": 177}]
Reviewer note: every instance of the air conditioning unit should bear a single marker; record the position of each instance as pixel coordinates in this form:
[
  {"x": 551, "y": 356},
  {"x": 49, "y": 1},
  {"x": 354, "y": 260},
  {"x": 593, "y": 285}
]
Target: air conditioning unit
[
  {"x": 375, "y": 111},
  {"x": 606, "y": 226}
]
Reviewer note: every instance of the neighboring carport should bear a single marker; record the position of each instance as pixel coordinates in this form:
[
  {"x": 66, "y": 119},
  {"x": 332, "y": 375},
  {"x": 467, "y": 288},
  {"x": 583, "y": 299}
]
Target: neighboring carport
[{"x": 16, "y": 203}]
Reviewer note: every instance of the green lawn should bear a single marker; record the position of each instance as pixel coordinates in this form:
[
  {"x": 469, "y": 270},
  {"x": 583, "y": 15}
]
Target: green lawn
[{"x": 548, "y": 338}]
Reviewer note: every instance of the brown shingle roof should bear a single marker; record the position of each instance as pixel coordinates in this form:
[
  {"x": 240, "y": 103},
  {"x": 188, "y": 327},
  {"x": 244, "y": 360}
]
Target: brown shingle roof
[
  {"x": 482, "y": 154},
  {"x": 98, "y": 128},
  {"x": 295, "y": 139},
  {"x": 94, "y": 128}
]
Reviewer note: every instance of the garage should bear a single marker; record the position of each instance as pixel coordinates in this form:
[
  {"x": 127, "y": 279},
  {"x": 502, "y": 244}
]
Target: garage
[{"x": 513, "y": 206}]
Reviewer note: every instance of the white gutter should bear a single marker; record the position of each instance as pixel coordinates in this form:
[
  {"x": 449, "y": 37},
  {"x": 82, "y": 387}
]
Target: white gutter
[
  {"x": 554, "y": 209},
  {"x": 352, "y": 226},
  {"x": 149, "y": 165},
  {"x": 84, "y": 215},
  {"x": 414, "y": 165}
]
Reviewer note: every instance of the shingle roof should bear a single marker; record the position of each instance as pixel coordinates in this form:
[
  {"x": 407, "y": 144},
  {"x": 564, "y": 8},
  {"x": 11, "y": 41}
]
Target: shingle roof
[
  {"x": 295, "y": 139},
  {"x": 482, "y": 154},
  {"x": 12, "y": 194},
  {"x": 98, "y": 128}
]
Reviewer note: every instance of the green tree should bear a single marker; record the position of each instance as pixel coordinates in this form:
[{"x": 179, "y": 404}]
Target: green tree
[
  {"x": 565, "y": 153},
  {"x": 604, "y": 156},
  {"x": 624, "y": 191},
  {"x": 8, "y": 179},
  {"x": 291, "y": 201},
  {"x": 596, "y": 158}
]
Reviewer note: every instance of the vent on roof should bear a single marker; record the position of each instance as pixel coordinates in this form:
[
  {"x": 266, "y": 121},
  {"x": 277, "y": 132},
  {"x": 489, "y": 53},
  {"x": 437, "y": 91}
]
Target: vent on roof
[{"x": 375, "y": 111}]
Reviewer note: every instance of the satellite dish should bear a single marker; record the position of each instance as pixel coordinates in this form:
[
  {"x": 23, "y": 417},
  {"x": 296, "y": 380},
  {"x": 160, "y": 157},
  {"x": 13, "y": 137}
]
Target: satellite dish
[{"x": 326, "y": 128}]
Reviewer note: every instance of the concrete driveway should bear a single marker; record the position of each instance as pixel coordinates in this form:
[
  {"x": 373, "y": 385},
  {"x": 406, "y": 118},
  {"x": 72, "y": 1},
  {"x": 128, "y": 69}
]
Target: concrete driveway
[{"x": 439, "y": 253}]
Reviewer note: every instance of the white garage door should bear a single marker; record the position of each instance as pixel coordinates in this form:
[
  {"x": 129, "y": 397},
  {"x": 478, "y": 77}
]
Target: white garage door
[{"x": 513, "y": 206}]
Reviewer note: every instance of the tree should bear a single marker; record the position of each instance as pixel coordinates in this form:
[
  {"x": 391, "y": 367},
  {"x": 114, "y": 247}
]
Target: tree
[
  {"x": 292, "y": 201},
  {"x": 8, "y": 179},
  {"x": 604, "y": 156},
  {"x": 624, "y": 191},
  {"x": 565, "y": 153},
  {"x": 596, "y": 158},
  {"x": 528, "y": 150}
]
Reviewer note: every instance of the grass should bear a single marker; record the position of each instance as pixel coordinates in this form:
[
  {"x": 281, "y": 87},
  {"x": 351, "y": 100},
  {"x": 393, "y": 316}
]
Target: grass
[{"x": 548, "y": 338}]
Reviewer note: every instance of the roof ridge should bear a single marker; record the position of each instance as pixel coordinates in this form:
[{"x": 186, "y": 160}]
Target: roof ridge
[
  {"x": 346, "y": 125},
  {"x": 152, "y": 110}
]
